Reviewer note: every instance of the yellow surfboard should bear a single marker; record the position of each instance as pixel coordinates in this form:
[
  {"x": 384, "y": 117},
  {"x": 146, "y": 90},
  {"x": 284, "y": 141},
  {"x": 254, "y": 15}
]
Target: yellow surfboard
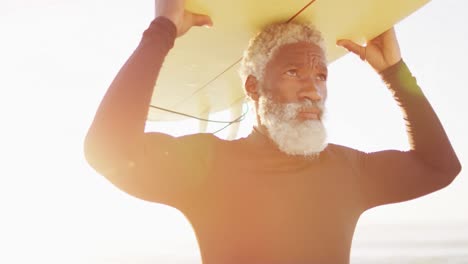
[{"x": 200, "y": 76}]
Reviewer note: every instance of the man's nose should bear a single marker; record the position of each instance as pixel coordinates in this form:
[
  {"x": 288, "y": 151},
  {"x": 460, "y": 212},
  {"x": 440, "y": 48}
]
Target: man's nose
[{"x": 310, "y": 92}]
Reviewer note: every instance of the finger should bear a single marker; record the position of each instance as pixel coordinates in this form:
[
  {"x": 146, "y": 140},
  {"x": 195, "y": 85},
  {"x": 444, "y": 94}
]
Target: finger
[
  {"x": 352, "y": 47},
  {"x": 201, "y": 20}
]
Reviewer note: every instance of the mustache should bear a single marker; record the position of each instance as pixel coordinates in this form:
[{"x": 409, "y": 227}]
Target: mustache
[
  {"x": 289, "y": 111},
  {"x": 268, "y": 106},
  {"x": 309, "y": 104},
  {"x": 304, "y": 105}
]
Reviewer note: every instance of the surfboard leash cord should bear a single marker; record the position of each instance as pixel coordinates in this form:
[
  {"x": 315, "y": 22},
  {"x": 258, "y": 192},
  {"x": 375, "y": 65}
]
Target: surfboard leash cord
[
  {"x": 228, "y": 123},
  {"x": 300, "y": 11}
]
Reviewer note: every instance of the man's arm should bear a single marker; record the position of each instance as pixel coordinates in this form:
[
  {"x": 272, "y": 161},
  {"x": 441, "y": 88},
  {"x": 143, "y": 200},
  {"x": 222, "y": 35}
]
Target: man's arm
[
  {"x": 431, "y": 163},
  {"x": 116, "y": 145}
]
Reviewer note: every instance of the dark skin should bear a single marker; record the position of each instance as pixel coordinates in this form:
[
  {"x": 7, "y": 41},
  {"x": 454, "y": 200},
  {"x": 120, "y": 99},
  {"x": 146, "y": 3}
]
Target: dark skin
[
  {"x": 182, "y": 19},
  {"x": 297, "y": 72}
]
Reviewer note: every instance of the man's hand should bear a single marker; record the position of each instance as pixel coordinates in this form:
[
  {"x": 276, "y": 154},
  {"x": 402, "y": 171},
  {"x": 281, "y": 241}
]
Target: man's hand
[
  {"x": 381, "y": 52},
  {"x": 175, "y": 11}
]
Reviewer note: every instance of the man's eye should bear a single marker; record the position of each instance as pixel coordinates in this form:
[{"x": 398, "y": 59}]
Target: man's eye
[
  {"x": 321, "y": 77},
  {"x": 292, "y": 73}
]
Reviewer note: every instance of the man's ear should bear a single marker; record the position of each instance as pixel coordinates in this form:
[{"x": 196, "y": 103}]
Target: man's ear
[{"x": 251, "y": 87}]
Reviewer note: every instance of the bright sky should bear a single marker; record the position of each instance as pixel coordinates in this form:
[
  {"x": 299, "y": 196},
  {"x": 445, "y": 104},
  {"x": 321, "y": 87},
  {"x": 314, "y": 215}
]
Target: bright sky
[{"x": 57, "y": 58}]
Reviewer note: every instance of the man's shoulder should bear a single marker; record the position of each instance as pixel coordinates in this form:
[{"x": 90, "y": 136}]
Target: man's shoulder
[
  {"x": 341, "y": 151},
  {"x": 339, "y": 155},
  {"x": 197, "y": 139},
  {"x": 339, "y": 147},
  {"x": 207, "y": 140}
]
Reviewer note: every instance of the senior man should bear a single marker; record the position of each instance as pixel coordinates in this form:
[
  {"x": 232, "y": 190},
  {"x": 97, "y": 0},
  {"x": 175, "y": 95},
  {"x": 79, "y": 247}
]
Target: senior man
[{"x": 283, "y": 194}]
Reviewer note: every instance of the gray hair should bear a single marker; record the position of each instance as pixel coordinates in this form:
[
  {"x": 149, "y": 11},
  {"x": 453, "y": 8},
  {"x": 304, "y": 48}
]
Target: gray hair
[{"x": 264, "y": 45}]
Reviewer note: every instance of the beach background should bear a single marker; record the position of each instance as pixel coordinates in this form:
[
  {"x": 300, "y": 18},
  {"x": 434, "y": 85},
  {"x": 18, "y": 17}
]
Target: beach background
[{"x": 57, "y": 58}]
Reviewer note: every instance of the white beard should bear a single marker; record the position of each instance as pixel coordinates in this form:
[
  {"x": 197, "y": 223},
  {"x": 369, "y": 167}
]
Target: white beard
[{"x": 292, "y": 136}]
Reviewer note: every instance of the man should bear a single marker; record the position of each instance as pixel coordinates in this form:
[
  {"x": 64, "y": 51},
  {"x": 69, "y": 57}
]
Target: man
[{"x": 283, "y": 194}]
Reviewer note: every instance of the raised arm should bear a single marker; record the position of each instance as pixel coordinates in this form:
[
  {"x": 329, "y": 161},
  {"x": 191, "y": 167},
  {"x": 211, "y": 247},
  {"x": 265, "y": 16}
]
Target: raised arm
[
  {"x": 116, "y": 145},
  {"x": 431, "y": 164}
]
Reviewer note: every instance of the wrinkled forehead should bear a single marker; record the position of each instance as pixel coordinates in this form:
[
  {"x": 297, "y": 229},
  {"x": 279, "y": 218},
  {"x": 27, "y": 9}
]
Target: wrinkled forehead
[{"x": 300, "y": 54}]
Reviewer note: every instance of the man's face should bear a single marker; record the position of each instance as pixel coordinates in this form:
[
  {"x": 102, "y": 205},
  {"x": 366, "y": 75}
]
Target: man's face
[
  {"x": 292, "y": 93},
  {"x": 297, "y": 73}
]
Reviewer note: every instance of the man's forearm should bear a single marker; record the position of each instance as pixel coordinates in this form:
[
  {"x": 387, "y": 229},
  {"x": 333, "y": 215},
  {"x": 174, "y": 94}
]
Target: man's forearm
[{"x": 426, "y": 134}]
